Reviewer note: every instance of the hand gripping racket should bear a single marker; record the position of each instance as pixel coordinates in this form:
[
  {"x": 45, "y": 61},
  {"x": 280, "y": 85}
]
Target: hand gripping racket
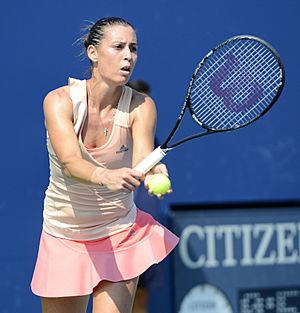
[{"x": 234, "y": 84}]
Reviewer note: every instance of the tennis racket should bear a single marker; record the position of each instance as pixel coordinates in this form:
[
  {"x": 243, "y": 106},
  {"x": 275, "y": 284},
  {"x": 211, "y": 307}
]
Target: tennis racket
[{"x": 234, "y": 84}]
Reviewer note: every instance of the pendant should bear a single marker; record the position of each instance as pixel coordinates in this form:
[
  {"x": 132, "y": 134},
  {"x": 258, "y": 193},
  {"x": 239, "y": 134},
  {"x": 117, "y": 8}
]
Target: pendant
[{"x": 105, "y": 131}]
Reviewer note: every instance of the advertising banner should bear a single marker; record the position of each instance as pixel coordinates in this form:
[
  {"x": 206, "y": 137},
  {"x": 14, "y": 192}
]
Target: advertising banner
[{"x": 237, "y": 258}]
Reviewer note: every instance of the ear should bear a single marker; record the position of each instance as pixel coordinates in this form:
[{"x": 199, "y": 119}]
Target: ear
[{"x": 92, "y": 53}]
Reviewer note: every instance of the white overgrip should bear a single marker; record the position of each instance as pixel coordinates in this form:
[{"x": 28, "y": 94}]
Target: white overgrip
[{"x": 152, "y": 159}]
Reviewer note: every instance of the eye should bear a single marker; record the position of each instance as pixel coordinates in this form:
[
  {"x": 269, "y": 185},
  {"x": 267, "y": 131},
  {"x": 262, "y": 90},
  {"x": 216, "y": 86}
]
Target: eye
[
  {"x": 118, "y": 46},
  {"x": 133, "y": 48}
]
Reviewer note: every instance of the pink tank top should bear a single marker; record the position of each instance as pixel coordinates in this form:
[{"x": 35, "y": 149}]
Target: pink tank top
[{"x": 85, "y": 211}]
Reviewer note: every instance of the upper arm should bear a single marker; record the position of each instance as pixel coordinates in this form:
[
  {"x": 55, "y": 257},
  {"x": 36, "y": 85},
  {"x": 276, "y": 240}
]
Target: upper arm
[
  {"x": 143, "y": 126},
  {"x": 58, "y": 111}
]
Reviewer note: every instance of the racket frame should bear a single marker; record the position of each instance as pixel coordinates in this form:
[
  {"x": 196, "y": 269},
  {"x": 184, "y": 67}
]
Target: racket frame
[
  {"x": 160, "y": 152},
  {"x": 187, "y": 102}
]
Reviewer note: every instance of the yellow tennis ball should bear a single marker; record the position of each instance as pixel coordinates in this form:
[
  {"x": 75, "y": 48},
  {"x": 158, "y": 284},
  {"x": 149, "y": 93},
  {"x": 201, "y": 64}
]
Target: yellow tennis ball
[{"x": 159, "y": 184}]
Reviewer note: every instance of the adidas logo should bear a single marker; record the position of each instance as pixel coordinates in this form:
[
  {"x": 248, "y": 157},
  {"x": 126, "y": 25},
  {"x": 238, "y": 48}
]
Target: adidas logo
[{"x": 122, "y": 149}]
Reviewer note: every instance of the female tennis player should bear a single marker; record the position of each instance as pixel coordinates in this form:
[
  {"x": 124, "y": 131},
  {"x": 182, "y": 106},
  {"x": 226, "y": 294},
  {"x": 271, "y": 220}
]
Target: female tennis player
[{"x": 94, "y": 240}]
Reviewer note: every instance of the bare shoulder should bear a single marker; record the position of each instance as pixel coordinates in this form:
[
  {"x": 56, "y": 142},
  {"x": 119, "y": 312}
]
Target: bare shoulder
[
  {"x": 58, "y": 100},
  {"x": 60, "y": 94},
  {"x": 142, "y": 104}
]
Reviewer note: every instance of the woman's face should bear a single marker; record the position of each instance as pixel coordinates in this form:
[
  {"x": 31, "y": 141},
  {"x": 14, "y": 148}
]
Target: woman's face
[{"x": 116, "y": 54}]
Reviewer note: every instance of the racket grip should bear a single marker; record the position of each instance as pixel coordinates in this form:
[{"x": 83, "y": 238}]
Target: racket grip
[{"x": 152, "y": 159}]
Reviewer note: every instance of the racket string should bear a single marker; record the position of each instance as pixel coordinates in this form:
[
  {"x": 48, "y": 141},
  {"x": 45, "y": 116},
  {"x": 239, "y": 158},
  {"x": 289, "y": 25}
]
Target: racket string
[
  {"x": 258, "y": 107},
  {"x": 259, "y": 73},
  {"x": 208, "y": 89},
  {"x": 213, "y": 72},
  {"x": 212, "y": 61},
  {"x": 224, "y": 114},
  {"x": 260, "y": 67}
]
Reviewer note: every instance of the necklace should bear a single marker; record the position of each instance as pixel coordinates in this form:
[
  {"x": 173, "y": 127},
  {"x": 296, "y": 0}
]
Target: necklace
[{"x": 111, "y": 120}]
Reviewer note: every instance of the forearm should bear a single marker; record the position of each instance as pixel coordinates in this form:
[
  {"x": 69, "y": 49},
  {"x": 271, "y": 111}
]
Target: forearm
[
  {"x": 123, "y": 179},
  {"x": 141, "y": 151},
  {"x": 83, "y": 170}
]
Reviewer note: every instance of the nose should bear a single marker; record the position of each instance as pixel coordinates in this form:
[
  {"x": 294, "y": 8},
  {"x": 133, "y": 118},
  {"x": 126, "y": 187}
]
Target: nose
[{"x": 127, "y": 53}]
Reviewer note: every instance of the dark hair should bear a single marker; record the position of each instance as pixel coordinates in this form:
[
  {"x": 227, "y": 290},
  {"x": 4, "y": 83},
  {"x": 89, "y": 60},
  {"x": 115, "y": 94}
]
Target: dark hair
[{"x": 96, "y": 31}]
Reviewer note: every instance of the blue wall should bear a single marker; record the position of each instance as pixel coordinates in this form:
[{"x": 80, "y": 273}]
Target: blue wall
[{"x": 259, "y": 162}]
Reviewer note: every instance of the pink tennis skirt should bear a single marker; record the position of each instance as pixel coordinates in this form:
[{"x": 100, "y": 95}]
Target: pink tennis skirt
[{"x": 73, "y": 268}]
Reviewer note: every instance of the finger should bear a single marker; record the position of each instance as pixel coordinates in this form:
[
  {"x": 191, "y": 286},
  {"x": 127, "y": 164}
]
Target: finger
[
  {"x": 138, "y": 175},
  {"x": 162, "y": 169},
  {"x": 132, "y": 183},
  {"x": 147, "y": 179},
  {"x": 160, "y": 196},
  {"x": 150, "y": 193},
  {"x": 128, "y": 187}
]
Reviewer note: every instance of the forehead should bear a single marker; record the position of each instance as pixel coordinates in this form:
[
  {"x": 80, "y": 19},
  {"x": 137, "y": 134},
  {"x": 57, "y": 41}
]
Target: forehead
[{"x": 119, "y": 33}]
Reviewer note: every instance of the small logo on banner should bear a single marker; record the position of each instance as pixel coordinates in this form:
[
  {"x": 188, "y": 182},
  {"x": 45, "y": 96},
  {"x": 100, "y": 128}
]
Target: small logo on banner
[{"x": 205, "y": 298}]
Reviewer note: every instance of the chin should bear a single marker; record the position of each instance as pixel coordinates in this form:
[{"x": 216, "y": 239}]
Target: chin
[{"x": 124, "y": 80}]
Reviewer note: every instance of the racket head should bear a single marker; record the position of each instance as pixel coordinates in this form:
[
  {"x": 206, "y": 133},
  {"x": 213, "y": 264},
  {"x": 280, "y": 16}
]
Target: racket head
[{"x": 235, "y": 84}]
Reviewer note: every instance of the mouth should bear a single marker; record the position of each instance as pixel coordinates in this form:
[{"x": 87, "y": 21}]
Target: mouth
[{"x": 126, "y": 69}]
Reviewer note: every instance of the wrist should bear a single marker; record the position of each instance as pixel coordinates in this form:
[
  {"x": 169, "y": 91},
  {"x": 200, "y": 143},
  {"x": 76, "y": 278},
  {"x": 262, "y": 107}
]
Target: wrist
[{"x": 97, "y": 176}]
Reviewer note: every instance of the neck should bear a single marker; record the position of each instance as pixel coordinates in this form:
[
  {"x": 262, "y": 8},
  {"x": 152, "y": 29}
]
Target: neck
[{"x": 101, "y": 96}]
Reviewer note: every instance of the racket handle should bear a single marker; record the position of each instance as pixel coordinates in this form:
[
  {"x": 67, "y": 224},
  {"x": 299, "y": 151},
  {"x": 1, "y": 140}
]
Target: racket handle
[{"x": 152, "y": 159}]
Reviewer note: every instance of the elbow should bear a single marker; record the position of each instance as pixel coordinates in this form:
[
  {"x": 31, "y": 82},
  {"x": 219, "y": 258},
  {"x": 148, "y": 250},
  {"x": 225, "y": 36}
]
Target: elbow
[
  {"x": 66, "y": 170},
  {"x": 67, "y": 166}
]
